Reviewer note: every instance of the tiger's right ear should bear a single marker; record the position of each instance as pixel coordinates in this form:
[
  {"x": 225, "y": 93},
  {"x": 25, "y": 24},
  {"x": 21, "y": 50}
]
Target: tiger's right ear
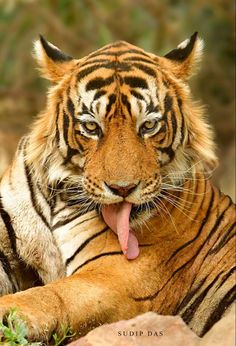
[
  {"x": 185, "y": 58},
  {"x": 54, "y": 64}
]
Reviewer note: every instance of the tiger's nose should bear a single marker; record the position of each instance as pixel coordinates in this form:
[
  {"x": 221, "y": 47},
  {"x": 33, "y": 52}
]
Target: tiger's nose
[{"x": 122, "y": 190}]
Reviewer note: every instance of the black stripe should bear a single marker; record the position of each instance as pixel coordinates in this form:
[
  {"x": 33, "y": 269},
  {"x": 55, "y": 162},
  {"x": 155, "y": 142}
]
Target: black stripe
[
  {"x": 79, "y": 133},
  {"x": 70, "y": 107},
  {"x": 154, "y": 295},
  {"x": 98, "y": 52},
  {"x": 174, "y": 125},
  {"x": 124, "y": 100},
  {"x": 7, "y": 268},
  {"x": 57, "y": 121},
  {"x": 66, "y": 123},
  {"x": 183, "y": 121},
  {"x": 110, "y": 65},
  {"x": 166, "y": 82},
  {"x": 139, "y": 59},
  {"x": 151, "y": 297},
  {"x": 56, "y": 212},
  {"x": 8, "y": 224},
  {"x": 146, "y": 245},
  {"x": 136, "y": 82},
  {"x": 98, "y": 94},
  {"x": 96, "y": 257},
  {"x": 226, "y": 276},
  {"x": 93, "y": 61},
  {"x": 218, "y": 312},
  {"x": 188, "y": 315},
  {"x": 219, "y": 219},
  {"x": 180, "y": 103},
  {"x": 5, "y": 263},
  {"x": 85, "y": 110},
  {"x": 98, "y": 83},
  {"x": 151, "y": 72},
  {"x": 136, "y": 51},
  {"x": 72, "y": 218},
  {"x": 225, "y": 239},
  {"x": 52, "y": 201},
  {"x": 121, "y": 67},
  {"x": 70, "y": 151},
  {"x": 168, "y": 103},
  {"x": 106, "y": 52},
  {"x": 162, "y": 129},
  {"x": 36, "y": 206},
  {"x": 137, "y": 95},
  {"x": 188, "y": 297},
  {"x": 200, "y": 229},
  {"x": 151, "y": 108},
  {"x": 169, "y": 151},
  {"x": 112, "y": 100},
  {"x": 86, "y": 71},
  {"x": 182, "y": 130},
  {"x": 84, "y": 244}
]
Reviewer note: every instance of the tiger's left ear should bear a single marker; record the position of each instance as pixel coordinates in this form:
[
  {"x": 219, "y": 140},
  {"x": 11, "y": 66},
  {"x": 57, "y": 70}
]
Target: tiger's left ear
[
  {"x": 186, "y": 57},
  {"x": 53, "y": 63}
]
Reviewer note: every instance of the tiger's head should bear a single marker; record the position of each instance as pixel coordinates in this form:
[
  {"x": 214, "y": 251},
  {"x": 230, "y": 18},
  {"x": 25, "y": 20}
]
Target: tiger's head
[{"x": 120, "y": 124}]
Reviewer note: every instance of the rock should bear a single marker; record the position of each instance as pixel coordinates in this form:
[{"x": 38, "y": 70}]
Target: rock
[
  {"x": 147, "y": 329},
  {"x": 153, "y": 329}
]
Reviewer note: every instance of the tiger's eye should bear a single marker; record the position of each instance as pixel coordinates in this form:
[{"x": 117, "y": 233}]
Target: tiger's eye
[
  {"x": 91, "y": 126},
  {"x": 148, "y": 127},
  {"x": 150, "y": 124}
]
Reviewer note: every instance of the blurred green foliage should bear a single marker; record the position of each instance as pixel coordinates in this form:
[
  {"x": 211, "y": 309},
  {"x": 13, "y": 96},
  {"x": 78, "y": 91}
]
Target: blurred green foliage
[{"x": 81, "y": 26}]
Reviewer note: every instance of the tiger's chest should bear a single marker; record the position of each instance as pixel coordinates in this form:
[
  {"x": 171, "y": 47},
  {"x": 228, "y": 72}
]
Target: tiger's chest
[{"x": 84, "y": 239}]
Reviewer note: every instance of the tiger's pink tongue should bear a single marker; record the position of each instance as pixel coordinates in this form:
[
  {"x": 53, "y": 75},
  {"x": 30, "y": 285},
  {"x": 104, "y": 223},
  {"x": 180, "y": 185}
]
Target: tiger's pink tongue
[{"x": 116, "y": 217}]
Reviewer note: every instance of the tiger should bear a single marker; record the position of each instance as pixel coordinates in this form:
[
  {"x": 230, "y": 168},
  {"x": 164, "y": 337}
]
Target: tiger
[{"x": 108, "y": 209}]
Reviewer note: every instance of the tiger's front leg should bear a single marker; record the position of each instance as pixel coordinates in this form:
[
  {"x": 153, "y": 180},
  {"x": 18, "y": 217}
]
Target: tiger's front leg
[{"x": 82, "y": 301}]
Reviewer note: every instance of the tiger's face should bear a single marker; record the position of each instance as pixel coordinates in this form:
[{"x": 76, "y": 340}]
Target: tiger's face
[{"x": 123, "y": 123}]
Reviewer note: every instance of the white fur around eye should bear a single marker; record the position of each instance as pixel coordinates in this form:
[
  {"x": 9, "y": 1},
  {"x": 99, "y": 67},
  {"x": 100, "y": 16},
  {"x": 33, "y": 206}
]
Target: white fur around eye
[{"x": 86, "y": 118}]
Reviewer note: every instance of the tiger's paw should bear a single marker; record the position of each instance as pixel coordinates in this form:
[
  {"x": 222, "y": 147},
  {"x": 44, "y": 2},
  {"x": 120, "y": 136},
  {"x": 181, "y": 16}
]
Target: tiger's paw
[{"x": 23, "y": 322}]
